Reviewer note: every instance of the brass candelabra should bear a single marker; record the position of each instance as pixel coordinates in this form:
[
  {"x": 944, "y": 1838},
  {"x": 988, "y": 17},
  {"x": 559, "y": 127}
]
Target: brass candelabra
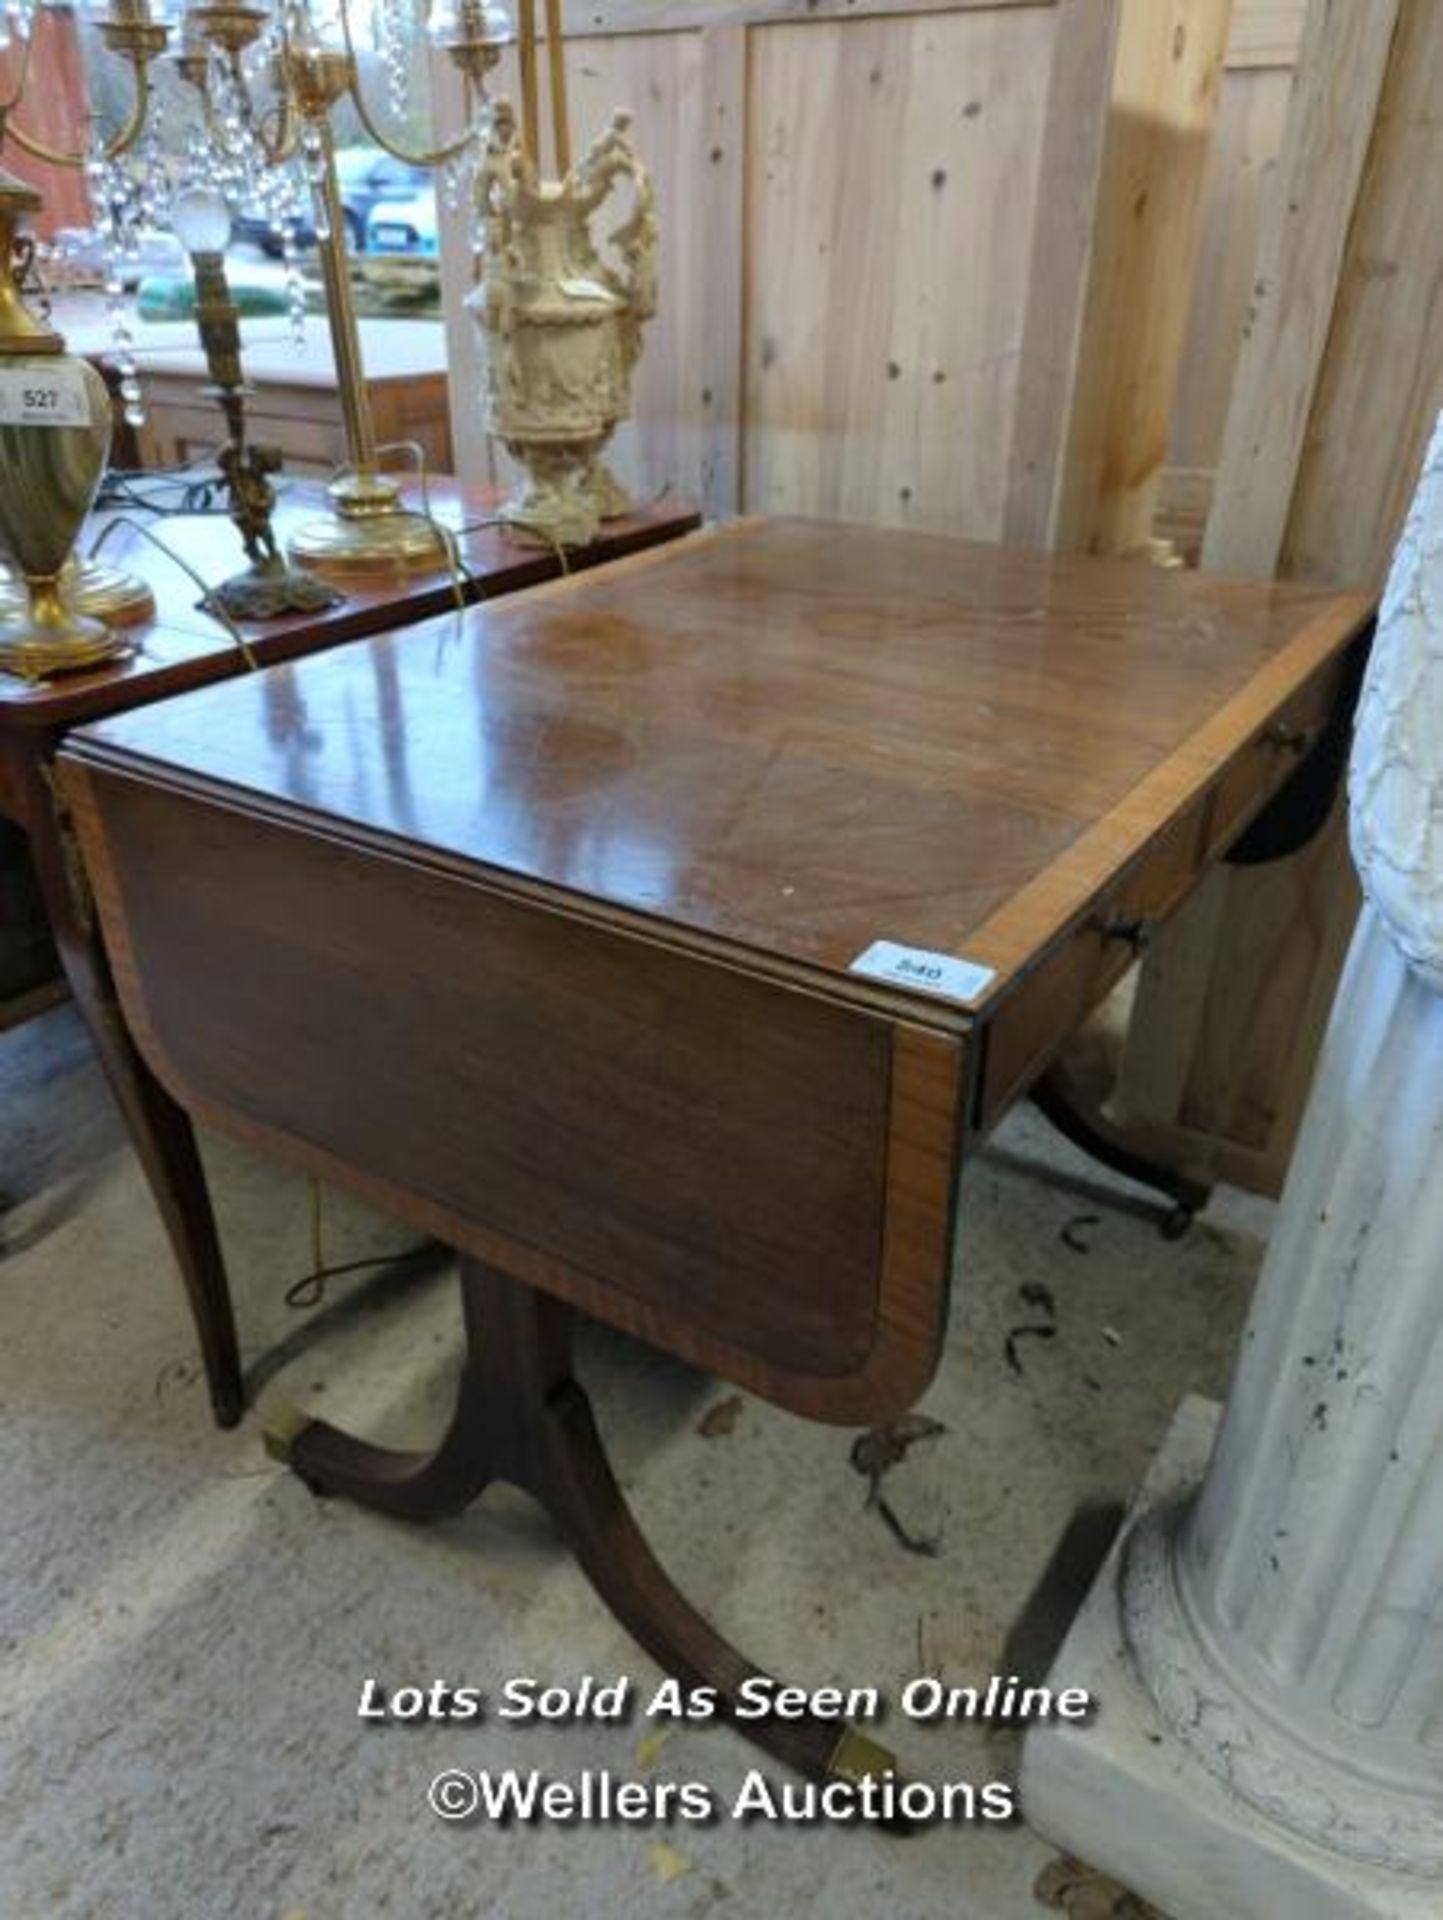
[{"x": 368, "y": 526}]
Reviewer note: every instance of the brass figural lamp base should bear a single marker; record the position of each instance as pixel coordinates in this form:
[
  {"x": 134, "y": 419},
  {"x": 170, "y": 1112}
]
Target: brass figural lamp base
[
  {"x": 369, "y": 531},
  {"x": 48, "y": 637},
  {"x": 268, "y": 590}
]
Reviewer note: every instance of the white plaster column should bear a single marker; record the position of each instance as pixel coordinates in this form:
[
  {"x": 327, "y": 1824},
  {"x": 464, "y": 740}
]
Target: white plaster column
[{"x": 1275, "y": 1637}]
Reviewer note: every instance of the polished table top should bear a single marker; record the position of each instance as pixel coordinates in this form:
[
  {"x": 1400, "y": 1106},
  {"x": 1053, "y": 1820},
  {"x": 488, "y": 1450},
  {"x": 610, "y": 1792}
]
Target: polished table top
[
  {"x": 184, "y": 647},
  {"x": 785, "y": 738}
]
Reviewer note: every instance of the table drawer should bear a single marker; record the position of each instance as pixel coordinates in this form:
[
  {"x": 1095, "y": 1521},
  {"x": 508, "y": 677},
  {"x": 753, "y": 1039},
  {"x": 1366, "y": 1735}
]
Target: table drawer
[
  {"x": 1083, "y": 966},
  {"x": 1261, "y": 767},
  {"x": 1088, "y": 959}
]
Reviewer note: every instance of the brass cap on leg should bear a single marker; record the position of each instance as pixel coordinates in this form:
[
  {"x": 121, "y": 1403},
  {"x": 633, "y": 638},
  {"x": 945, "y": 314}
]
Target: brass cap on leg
[
  {"x": 284, "y": 1424},
  {"x": 856, "y": 1757}
]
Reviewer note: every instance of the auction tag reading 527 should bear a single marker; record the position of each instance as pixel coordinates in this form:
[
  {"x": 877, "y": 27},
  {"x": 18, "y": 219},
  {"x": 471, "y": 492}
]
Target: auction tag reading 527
[{"x": 50, "y": 397}]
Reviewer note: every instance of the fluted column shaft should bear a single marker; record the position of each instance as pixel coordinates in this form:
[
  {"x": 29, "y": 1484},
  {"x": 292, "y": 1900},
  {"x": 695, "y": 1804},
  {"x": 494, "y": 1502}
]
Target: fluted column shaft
[{"x": 1289, "y": 1619}]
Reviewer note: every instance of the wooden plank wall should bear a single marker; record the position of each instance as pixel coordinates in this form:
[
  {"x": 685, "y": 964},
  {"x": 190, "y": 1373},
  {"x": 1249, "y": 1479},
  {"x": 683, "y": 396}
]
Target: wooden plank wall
[
  {"x": 888, "y": 252},
  {"x": 1262, "y": 56},
  {"x": 877, "y": 235},
  {"x": 1338, "y": 385},
  {"x": 1166, "y": 80},
  {"x": 847, "y": 196}
]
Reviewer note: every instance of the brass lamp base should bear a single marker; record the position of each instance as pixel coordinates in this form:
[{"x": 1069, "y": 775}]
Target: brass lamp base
[
  {"x": 369, "y": 531},
  {"x": 92, "y": 588},
  {"x": 377, "y": 543},
  {"x": 268, "y": 590},
  {"x": 47, "y": 638},
  {"x": 107, "y": 594}
]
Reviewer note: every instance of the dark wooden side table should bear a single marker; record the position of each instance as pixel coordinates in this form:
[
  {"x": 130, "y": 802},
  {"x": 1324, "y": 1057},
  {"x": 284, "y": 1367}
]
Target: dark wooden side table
[
  {"x": 758, "y": 877},
  {"x": 182, "y": 649}
]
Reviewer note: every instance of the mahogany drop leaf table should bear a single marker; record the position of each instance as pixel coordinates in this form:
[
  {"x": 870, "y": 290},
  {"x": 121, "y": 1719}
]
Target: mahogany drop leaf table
[{"x": 664, "y": 939}]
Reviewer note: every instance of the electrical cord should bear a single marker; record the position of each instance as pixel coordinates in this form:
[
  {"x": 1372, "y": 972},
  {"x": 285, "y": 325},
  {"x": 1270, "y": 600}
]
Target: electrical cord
[
  {"x": 161, "y": 490},
  {"x": 310, "y": 1290}
]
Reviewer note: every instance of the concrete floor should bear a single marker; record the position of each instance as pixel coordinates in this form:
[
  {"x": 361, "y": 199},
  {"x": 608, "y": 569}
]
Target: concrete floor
[{"x": 184, "y": 1631}]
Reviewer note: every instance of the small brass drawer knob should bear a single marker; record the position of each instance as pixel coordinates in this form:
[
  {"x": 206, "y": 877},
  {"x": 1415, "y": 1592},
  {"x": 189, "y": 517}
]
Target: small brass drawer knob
[
  {"x": 1294, "y": 740},
  {"x": 1135, "y": 933}
]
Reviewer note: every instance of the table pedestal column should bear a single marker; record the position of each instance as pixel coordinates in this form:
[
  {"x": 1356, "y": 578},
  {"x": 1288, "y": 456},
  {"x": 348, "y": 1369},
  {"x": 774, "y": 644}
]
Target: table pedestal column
[{"x": 1267, "y": 1650}]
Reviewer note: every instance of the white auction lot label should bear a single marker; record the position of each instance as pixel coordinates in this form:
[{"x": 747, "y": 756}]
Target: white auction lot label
[
  {"x": 939, "y": 973},
  {"x": 32, "y": 396}
]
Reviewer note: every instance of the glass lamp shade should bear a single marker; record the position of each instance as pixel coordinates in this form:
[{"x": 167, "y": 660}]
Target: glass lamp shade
[{"x": 201, "y": 220}]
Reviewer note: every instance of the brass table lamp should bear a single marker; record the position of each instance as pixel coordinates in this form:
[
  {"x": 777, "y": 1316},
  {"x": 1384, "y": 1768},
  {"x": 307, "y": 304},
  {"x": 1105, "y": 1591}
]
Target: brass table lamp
[
  {"x": 134, "y": 35},
  {"x": 55, "y": 426},
  {"x": 369, "y": 528},
  {"x": 202, "y": 222}
]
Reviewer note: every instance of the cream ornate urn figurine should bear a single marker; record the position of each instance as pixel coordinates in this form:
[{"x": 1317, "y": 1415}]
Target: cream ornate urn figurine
[{"x": 562, "y": 325}]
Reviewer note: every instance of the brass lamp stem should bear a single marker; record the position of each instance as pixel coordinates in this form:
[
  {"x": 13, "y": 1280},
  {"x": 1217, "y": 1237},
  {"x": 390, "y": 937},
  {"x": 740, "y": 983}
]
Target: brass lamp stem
[
  {"x": 268, "y": 587},
  {"x": 218, "y": 319},
  {"x": 372, "y": 530},
  {"x": 345, "y": 336}
]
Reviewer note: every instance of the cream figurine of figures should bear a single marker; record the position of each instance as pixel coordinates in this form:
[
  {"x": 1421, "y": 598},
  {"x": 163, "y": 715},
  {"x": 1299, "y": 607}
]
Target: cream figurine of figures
[{"x": 562, "y": 325}]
